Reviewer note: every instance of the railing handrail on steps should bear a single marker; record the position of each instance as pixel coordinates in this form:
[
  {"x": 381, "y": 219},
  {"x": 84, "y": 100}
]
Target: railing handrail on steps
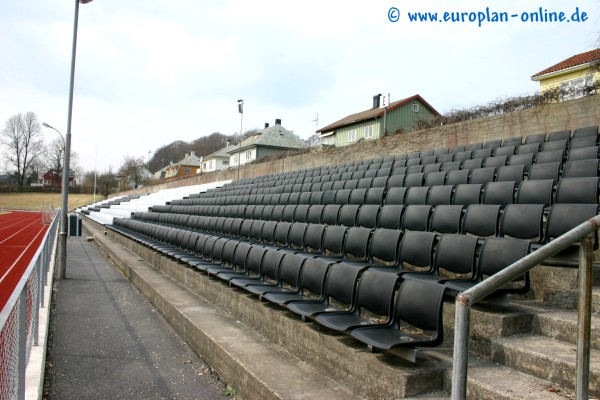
[{"x": 465, "y": 300}]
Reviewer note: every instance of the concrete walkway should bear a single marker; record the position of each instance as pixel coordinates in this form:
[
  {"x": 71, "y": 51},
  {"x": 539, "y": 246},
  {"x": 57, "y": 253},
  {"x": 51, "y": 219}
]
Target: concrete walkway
[{"x": 107, "y": 341}]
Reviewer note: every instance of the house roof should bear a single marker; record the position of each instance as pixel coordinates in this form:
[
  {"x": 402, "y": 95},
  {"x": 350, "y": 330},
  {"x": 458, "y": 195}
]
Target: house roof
[
  {"x": 190, "y": 159},
  {"x": 581, "y": 59},
  {"x": 374, "y": 113},
  {"x": 224, "y": 152},
  {"x": 273, "y": 136}
]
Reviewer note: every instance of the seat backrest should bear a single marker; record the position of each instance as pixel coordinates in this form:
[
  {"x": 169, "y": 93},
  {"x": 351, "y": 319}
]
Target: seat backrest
[
  {"x": 384, "y": 246},
  {"x": 577, "y": 190},
  {"x": 368, "y": 215},
  {"x": 535, "y": 192},
  {"x": 457, "y": 177},
  {"x": 499, "y": 253},
  {"x": 481, "y": 220},
  {"x": 564, "y": 217},
  {"x": 330, "y": 214},
  {"x": 523, "y": 221},
  {"x": 417, "y": 249},
  {"x": 462, "y": 155},
  {"x": 357, "y": 196},
  {"x": 495, "y": 161},
  {"x": 290, "y": 270},
  {"x": 559, "y": 135},
  {"x": 341, "y": 282},
  {"x": 312, "y": 276},
  {"x": 465, "y": 194},
  {"x": 505, "y": 150},
  {"x": 296, "y": 235},
  {"x": 301, "y": 213},
  {"x": 375, "y": 195},
  {"x": 416, "y": 195},
  {"x": 483, "y": 175},
  {"x": 288, "y": 213},
  {"x": 395, "y": 195},
  {"x": 375, "y": 292},
  {"x": 313, "y": 238},
  {"x": 482, "y": 153},
  {"x": 356, "y": 245},
  {"x": 419, "y": 303},
  {"x": 583, "y": 153},
  {"x": 282, "y": 233},
  {"x": 333, "y": 240},
  {"x": 559, "y": 144},
  {"x": 501, "y": 193},
  {"x": 435, "y": 178},
  {"x": 348, "y": 214},
  {"x": 510, "y": 173},
  {"x": 256, "y": 231},
  {"x": 584, "y": 141},
  {"x": 451, "y": 165},
  {"x": 535, "y": 138},
  {"x": 268, "y": 232},
  {"x": 548, "y": 170},
  {"x": 512, "y": 141},
  {"x": 440, "y": 194},
  {"x": 342, "y": 196},
  {"x": 446, "y": 219},
  {"x": 416, "y": 217},
  {"x": 586, "y": 131},
  {"x": 390, "y": 216},
  {"x": 456, "y": 254},
  {"x": 271, "y": 263},
  {"x": 580, "y": 168}
]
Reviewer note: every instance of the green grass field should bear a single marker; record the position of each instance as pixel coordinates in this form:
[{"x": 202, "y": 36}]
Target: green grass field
[{"x": 35, "y": 201}]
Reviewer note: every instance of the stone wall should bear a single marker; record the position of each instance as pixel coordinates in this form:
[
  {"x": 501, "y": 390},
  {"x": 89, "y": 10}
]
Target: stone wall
[{"x": 552, "y": 117}]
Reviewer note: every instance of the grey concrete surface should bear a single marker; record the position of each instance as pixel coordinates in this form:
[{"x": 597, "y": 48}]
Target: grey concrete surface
[{"x": 108, "y": 342}]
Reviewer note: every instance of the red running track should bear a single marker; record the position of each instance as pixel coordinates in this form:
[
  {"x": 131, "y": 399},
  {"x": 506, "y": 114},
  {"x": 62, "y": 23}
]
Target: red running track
[{"x": 21, "y": 234}]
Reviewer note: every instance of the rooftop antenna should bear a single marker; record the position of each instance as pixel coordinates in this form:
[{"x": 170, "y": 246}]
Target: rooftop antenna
[{"x": 316, "y": 121}]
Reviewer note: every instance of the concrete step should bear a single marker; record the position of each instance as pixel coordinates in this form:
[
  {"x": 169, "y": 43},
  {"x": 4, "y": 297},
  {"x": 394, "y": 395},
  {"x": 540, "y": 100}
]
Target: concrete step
[
  {"x": 545, "y": 358},
  {"x": 555, "y": 285},
  {"x": 562, "y": 325}
]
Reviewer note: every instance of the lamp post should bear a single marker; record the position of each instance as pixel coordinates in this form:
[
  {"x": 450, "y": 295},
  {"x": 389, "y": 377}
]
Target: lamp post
[
  {"x": 61, "y": 136},
  {"x": 241, "y": 111},
  {"x": 62, "y": 248}
]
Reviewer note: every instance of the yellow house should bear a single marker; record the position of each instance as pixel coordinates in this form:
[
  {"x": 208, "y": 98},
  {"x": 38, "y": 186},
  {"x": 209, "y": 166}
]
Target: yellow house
[{"x": 571, "y": 74}]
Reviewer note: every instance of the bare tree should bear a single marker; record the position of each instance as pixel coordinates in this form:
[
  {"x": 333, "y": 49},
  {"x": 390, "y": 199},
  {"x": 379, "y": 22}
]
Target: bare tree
[
  {"x": 22, "y": 139},
  {"x": 132, "y": 172},
  {"x": 314, "y": 140}
]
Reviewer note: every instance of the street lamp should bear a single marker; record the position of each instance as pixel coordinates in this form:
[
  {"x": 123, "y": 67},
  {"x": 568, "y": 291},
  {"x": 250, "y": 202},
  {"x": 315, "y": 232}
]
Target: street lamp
[
  {"x": 241, "y": 111},
  {"x": 61, "y": 136},
  {"x": 62, "y": 248}
]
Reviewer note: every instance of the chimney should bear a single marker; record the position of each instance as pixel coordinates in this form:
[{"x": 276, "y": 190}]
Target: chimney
[
  {"x": 193, "y": 153},
  {"x": 228, "y": 143},
  {"x": 278, "y": 121},
  {"x": 376, "y": 100},
  {"x": 266, "y": 125}
]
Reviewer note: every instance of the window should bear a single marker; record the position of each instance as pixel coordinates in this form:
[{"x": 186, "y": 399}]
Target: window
[
  {"x": 574, "y": 88},
  {"x": 248, "y": 154},
  {"x": 203, "y": 165},
  {"x": 225, "y": 162},
  {"x": 236, "y": 157},
  {"x": 352, "y": 135},
  {"x": 369, "y": 132},
  {"x": 415, "y": 107},
  {"x": 187, "y": 171}
]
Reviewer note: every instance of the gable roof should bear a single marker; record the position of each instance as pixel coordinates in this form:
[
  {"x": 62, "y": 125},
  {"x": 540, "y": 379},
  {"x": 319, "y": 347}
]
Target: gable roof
[
  {"x": 273, "y": 136},
  {"x": 582, "y": 59},
  {"x": 224, "y": 152},
  {"x": 374, "y": 113}
]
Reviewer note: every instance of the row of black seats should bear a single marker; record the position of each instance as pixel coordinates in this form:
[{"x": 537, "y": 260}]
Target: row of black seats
[
  {"x": 260, "y": 223},
  {"x": 466, "y": 172},
  {"x": 342, "y": 295},
  {"x": 582, "y": 137},
  {"x": 543, "y": 191}
]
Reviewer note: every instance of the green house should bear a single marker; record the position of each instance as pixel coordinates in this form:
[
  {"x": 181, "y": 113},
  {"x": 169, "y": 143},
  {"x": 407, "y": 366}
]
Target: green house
[{"x": 377, "y": 122}]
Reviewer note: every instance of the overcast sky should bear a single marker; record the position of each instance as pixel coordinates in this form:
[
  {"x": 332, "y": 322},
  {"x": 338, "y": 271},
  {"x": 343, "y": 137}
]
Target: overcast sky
[{"x": 154, "y": 71}]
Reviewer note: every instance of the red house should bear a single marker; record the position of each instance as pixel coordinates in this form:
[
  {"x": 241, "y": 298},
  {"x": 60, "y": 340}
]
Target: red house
[{"x": 53, "y": 179}]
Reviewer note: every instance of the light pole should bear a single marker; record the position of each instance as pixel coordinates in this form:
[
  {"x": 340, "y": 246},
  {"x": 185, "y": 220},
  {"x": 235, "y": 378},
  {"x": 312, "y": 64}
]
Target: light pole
[
  {"x": 62, "y": 248},
  {"x": 61, "y": 136},
  {"x": 241, "y": 111}
]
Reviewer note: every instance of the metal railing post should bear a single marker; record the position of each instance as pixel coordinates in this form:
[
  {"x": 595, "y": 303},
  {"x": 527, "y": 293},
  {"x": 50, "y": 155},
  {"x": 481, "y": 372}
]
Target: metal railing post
[
  {"x": 584, "y": 315},
  {"x": 22, "y": 340},
  {"x": 462, "y": 321}
]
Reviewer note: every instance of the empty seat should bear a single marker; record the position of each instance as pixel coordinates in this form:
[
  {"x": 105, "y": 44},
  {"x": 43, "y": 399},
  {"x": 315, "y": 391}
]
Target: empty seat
[
  {"x": 564, "y": 217},
  {"x": 416, "y": 252},
  {"x": 482, "y": 175},
  {"x": 584, "y": 141},
  {"x": 501, "y": 193},
  {"x": 357, "y": 196},
  {"x": 510, "y": 173},
  {"x": 368, "y": 215},
  {"x": 523, "y": 221},
  {"x": 577, "y": 190},
  {"x": 390, "y": 216},
  {"x": 440, "y": 194},
  {"x": 340, "y": 285},
  {"x": 451, "y": 165},
  {"x": 435, "y": 178},
  {"x": 586, "y": 131},
  {"x": 414, "y": 179},
  {"x": 474, "y": 146},
  {"x": 416, "y": 320},
  {"x": 496, "y": 161},
  {"x": 315, "y": 213},
  {"x": 473, "y": 163},
  {"x": 395, "y": 181},
  {"x": 310, "y": 285},
  {"x": 535, "y": 192},
  {"x": 529, "y": 148},
  {"x": 462, "y": 156},
  {"x": 395, "y": 195},
  {"x": 504, "y": 151},
  {"x": 465, "y": 194},
  {"x": 492, "y": 143},
  {"x": 444, "y": 158},
  {"x": 526, "y": 160},
  {"x": 481, "y": 220},
  {"x": 559, "y": 135},
  {"x": 497, "y": 254},
  {"x": 416, "y": 195},
  {"x": 330, "y": 214},
  {"x": 512, "y": 141},
  {"x": 457, "y": 177},
  {"x": 580, "y": 168},
  {"x": 416, "y": 217},
  {"x": 446, "y": 219},
  {"x": 348, "y": 214},
  {"x": 545, "y": 171},
  {"x": 374, "y": 295},
  {"x": 558, "y": 144},
  {"x": 535, "y": 138},
  {"x": 375, "y": 195},
  {"x": 583, "y": 153}
]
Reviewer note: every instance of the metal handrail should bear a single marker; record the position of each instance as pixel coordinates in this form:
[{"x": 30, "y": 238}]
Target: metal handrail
[{"x": 465, "y": 300}]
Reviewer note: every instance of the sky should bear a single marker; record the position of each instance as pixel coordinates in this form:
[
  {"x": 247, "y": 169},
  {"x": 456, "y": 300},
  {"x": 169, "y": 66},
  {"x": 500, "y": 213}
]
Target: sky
[{"x": 154, "y": 71}]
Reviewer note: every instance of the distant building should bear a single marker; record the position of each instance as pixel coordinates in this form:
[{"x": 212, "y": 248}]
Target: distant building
[
  {"x": 188, "y": 166},
  {"x": 377, "y": 121},
  {"x": 53, "y": 179},
  {"x": 270, "y": 141},
  {"x": 574, "y": 73},
  {"x": 218, "y": 160}
]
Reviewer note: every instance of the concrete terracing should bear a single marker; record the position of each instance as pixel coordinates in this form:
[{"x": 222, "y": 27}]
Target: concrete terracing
[{"x": 522, "y": 350}]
